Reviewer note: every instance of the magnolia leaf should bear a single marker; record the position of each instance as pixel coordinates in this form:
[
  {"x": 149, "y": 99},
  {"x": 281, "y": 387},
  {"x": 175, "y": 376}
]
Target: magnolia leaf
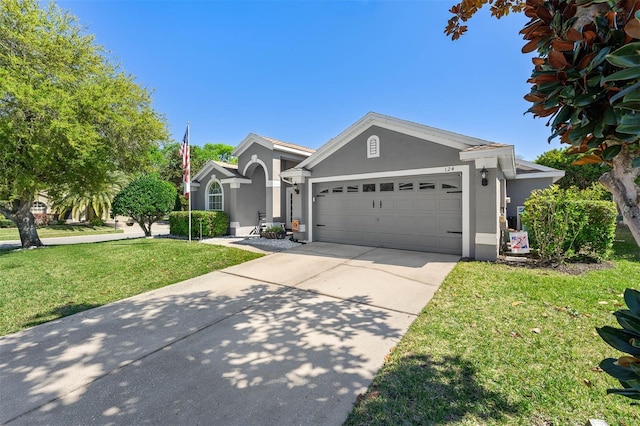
[
  {"x": 611, "y": 152},
  {"x": 574, "y": 35},
  {"x": 629, "y": 129},
  {"x": 625, "y": 91},
  {"x": 610, "y": 117},
  {"x": 632, "y": 29},
  {"x": 632, "y": 299},
  {"x": 598, "y": 58},
  {"x": 618, "y": 339},
  {"x": 557, "y": 59},
  {"x": 625, "y": 74},
  {"x": 628, "y": 320},
  {"x": 611, "y": 367},
  {"x": 626, "y": 56},
  {"x": 587, "y": 159}
]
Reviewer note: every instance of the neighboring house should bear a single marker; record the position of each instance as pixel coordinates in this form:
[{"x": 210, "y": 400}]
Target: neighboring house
[{"x": 382, "y": 182}]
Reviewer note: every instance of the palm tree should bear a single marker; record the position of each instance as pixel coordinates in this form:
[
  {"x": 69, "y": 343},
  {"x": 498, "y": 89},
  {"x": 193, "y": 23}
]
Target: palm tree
[{"x": 94, "y": 202}]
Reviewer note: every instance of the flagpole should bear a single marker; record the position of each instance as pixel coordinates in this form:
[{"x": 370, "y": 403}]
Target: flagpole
[{"x": 189, "y": 178}]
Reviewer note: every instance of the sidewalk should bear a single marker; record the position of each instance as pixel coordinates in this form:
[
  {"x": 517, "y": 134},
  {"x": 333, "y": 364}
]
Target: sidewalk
[{"x": 133, "y": 231}]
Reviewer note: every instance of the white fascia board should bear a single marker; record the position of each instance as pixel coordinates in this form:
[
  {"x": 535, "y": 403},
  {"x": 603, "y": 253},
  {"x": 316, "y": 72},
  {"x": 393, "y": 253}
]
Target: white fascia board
[
  {"x": 505, "y": 156},
  {"x": 211, "y": 165},
  {"x": 535, "y": 166},
  {"x": 556, "y": 175},
  {"x": 250, "y": 140},
  {"x": 488, "y": 153},
  {"x": 296, "y": 173},
  {"x": 420, "y": 131},
  {"x": 290, "y": 150},
  {"x": 235, "y": 180}
]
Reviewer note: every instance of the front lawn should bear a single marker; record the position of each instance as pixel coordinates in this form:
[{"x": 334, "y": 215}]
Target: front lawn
[
  {"x": 503, "y": 345},
  {"x": 11, "y": 234},
  {"x": 44, "y": 284}
]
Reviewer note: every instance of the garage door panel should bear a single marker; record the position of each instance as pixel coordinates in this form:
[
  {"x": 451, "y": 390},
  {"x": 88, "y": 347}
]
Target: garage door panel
[
  {"x": 451, "y": 205},
  {"x": 416, "y": 215},
  {"x": 427, "y": 204}
]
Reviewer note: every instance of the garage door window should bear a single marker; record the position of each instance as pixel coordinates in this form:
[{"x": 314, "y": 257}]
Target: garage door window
[
  {"x": 352, "y": 188},
  {"x": 368, "y": 187},
  {"x": 425, "y": 186},
  {"x": 324, "y": 191},
  {"x": 336, "y": 189},
  {"x": 386, "y": 187},
  {"x": 405, "y": 186}
]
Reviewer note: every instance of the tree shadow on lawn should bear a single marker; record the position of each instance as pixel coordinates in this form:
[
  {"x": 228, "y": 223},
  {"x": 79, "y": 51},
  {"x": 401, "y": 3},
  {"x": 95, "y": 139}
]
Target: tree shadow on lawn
[
  {"x": 419, "y": 389},
  {"x": 58, "y": 312},
  {"x": 217, "y": 350}
]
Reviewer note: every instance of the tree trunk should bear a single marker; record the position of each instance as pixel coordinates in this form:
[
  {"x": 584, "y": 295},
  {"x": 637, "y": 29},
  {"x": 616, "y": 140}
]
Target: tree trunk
[
  {"x": 20, "y": 213},
  {"x": 620, "y": 181},
  {"x": 142, "y": 221}
]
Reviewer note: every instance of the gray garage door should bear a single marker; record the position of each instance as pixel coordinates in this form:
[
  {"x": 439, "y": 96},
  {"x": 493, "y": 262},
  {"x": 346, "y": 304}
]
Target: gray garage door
[{"x": 415, "y": 213}]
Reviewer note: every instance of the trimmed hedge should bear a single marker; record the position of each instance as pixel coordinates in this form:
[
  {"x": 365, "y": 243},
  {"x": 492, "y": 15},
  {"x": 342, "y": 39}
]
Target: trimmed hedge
[
  {"x": 6, "y": 223},
  {"x": 214, "y": 223},
  {"x": 565, "y": 224}
]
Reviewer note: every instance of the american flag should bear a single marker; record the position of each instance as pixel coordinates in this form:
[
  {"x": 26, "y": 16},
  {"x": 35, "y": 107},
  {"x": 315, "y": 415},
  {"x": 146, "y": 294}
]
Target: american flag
[{"x": 186, "y": 166}]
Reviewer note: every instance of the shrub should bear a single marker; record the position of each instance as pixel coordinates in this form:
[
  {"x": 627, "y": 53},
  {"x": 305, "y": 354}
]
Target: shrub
[
  {"x": 214, "y": 223},
  {"x": 96, "y": 221},
  {"x": 146, "y": 200},
  {"x": 6, "y": 223},
  {"x": 625, "y": 369},
  {"x": 565, "y": 224},
  {"x": 42, "y": 219}
]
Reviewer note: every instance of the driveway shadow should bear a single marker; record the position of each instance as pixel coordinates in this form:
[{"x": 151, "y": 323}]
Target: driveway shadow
[{"x": 219, "y": 354}]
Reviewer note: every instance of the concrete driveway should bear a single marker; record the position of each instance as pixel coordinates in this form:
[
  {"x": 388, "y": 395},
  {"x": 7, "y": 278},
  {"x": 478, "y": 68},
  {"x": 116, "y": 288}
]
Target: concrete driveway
[{"x": 290, "y": 338}]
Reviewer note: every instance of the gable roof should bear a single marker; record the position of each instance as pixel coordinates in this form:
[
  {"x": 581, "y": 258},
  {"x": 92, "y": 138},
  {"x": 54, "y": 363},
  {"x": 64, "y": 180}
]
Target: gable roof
[
  {"x": 529, "y": 170},
  {"x": 272, "y": 144},
  {"x": 225, "y": 169},
  {"x": 442, "y": 137}
]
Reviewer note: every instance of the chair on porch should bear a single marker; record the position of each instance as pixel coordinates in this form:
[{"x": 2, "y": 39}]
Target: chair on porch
[{"x": 261, "y": 225}]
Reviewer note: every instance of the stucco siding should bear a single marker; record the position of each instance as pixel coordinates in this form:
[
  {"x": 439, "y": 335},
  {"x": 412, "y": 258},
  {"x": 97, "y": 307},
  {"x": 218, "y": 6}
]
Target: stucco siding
[
  {"x": 520, "y": 189},
  {"x": 397, "y": 152}
]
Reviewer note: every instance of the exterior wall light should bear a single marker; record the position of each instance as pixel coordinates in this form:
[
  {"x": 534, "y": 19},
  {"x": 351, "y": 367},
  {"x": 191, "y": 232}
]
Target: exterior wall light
[
  {"x": 296, "y": 188},
  {"x": 483, "y": 174}
]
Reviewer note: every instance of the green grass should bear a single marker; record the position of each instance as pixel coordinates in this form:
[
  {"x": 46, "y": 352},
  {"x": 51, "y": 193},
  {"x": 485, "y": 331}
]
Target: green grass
[
  {"x": 500, "y": 345},
  {"x": 44, "y": 284},
  {"x": 10, "y": 234}
]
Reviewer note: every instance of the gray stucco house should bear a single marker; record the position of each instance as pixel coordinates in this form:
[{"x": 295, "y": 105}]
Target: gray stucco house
[{"x": 381, "y": 182}]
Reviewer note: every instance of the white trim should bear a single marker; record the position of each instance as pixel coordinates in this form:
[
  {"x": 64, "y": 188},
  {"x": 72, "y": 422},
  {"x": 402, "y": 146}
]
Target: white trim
[
  {"x": 466, "y": 193},
  {"x": 234, "y": 224},
  {"x": 486, "y": 239},
  {"x": 273, "y": 184},
  {"x": 207, "y": 168},
  {"x": 373, "y": 139},
  {"x": 290, "y": 150},
  {"x": 206, "y": 194},
  {"x": 261, "y": 140},
  {"x": 295, "y": 175},
  {"x": 556, "y": 176},
  {"x": 248, "y": 141},
  {"x": 235, "y": 182},
  {"x": 256, "y": 160},
  {"x": 430, "y": 134}
]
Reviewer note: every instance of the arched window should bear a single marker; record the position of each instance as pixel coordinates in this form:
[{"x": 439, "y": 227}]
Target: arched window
[
  {"x": 214, "y": 197},
  {"x": 39, "y": 207}
]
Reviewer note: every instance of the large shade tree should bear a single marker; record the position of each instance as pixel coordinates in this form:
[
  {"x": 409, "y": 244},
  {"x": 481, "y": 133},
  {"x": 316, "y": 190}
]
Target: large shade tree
[
  {"x": 585, "y": 82},
  {"x": 68, "y": 116}
]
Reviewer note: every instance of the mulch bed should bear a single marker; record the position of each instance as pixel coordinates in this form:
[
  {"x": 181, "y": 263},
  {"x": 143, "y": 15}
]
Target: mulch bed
[{"x": 569, "y": 267}]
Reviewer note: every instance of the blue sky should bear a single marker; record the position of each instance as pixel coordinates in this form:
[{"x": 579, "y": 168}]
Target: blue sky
[{"x": 303, "y": 71}]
